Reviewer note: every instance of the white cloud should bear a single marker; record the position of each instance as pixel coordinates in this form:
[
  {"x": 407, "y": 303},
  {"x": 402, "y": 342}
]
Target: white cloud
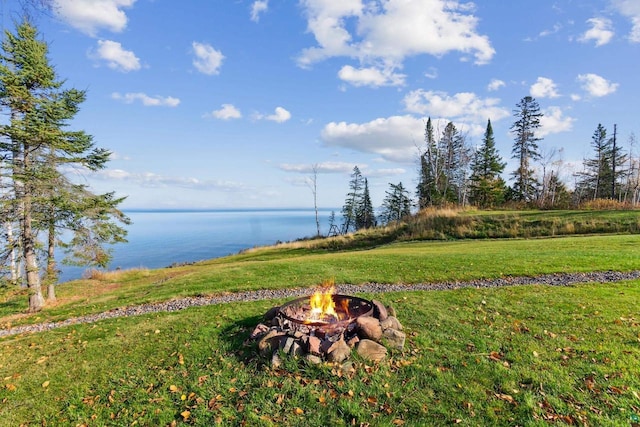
[
  {"x": 280, "y": 115},
  {"x": 630, "y": 9},
  {"x": 89, "y": 16},
  {"x": 495, "y": 84},
  {"x": 370, "y": 77},
  {"x": 544, "y": 88},
  {"x": 150, "y": 179},
  {"x": 227, "y": 112},
  {"x": 324, "y": 167},
  {"x": 596, "y": 85},
  {"x": 394, "y": 138},
  {"x": 370, "y": 33},
  {"x": 554, "y": 121},
  {"x": 146, "y": 100},
  {"x": 556, "y": 28},
  {"x": 600, "y": 31},
  {"x": 258, "y": 7},
  {"x": 207, "y": 59},
  {"x": 464, "y": 106},
  {"x": 116, "y": 57},
  {"x": 432, "y": 73}
]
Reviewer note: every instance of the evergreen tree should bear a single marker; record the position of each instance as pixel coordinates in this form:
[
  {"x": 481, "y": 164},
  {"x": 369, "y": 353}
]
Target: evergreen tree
[
  {"x": 525, "y": 148},
  {"x": 365, "y": 217},
  {"x": 429, "y": 169},
  {"x": 36, "y": 144},
  {"x": 353, "y": 201},
  {"x": 396, "y": 204},
  {"x": 603, "y": 171},
  {"x": 487, "y": 185},
  {"x": 455, "y": 160}
]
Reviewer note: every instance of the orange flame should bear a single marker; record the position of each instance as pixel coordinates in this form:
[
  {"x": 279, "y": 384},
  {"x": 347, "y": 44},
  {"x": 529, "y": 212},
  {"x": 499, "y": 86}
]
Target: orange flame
[{"x": 322, "y": 305}]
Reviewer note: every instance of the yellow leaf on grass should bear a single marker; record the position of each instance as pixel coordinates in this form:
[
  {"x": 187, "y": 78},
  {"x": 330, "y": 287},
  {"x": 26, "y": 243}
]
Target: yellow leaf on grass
[
  {"x": 298, "y": 411},
  {"x": 173, "y": 388},
  {"x": 45, "y": 384},
  {"x": 505, "y": 397},
  {"x": 185, "y": 415},
  {"x": 180, "y": 359}
]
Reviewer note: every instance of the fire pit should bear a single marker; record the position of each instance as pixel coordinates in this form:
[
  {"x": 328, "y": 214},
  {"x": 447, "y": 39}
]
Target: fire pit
[
  {"x": 321, "y": 310},
  {"x": 327, "y": 326}
]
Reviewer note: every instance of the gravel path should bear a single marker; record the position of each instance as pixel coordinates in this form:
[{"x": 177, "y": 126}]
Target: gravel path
[{"x": 561, "y": 279}]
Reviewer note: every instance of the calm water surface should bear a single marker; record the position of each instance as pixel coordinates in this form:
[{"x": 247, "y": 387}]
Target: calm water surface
[{"x": 161, "y": 238}]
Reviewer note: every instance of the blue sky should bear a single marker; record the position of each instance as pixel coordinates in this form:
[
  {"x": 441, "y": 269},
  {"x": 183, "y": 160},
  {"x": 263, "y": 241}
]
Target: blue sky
[{"x": 230, "y": 103}]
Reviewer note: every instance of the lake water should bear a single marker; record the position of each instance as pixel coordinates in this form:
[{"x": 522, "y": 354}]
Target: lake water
[{"x": 161, "y": 238}]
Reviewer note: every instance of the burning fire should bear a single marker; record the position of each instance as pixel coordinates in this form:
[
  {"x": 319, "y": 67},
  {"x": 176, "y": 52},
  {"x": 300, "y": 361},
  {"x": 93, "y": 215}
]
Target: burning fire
[{"x": 322, "y": 305}]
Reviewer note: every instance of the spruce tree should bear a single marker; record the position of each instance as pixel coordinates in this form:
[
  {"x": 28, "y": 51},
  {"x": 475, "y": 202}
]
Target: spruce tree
[
  {"x": 525, "y": 148},
  {"x": 396, "y": 204},
  {"x": 487, "y": 185},
  {"x": 429, "y": 167},
  {"x": 36, "y": 145},
  {"x": 365, "y": 217},
  {"x": 353, "y": 201}
]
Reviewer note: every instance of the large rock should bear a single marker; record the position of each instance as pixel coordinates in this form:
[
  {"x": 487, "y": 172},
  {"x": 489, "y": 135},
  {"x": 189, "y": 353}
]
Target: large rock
[
  {"x": 394, "y": 338},
  {"x": 391, "y": 322},
  {"x": 379, "y": 310},
  {"x": 271, "y": 342},
  {"x": 313, "y": 345},
  {"x": 338, "y": 352},
  {"x": 369, "y": 328},
  {"x": 259, "y": 331},
  {"x": 371, "y": 350}
]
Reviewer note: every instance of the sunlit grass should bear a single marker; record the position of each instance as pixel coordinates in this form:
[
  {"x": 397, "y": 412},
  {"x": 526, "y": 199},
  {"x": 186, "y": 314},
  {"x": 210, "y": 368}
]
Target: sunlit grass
[
  {"x": 511, "y": 356},
  {"x": 404, "y": 262}
]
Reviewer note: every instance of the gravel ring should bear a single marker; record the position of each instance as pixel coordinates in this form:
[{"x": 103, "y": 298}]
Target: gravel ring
[{"x": 557, "y": 279}]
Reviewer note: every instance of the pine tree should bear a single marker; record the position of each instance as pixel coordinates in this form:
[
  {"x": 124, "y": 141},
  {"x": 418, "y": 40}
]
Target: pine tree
[
  {"x": 487, "y": 185},
  {"x": 603, "y": 171},
  {"x": 396, "y": 204},
  {"x": 36, "y": 144},
  {"x": 365, "y": 217},
  {"x": 429, "y": 169},
  {"x": 525, "y": 148},
  {"x": 353, "y": 201}
]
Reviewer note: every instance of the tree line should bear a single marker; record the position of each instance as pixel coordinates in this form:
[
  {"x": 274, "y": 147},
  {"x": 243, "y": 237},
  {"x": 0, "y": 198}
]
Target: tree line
[
  {"x": 42, "y": 210},
  {"x": 452, "y": 173}
]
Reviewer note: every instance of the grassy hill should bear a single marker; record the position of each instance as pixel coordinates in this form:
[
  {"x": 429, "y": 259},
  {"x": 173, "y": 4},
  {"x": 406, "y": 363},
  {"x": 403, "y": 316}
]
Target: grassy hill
[{"x": 523, "y": 355}]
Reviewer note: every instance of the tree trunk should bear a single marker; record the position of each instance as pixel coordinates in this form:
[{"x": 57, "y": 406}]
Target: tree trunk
[
  {"x": 36, "y": 300},
  {"x": 13, "y": 259},
  {"x": 52, "y": 273}
]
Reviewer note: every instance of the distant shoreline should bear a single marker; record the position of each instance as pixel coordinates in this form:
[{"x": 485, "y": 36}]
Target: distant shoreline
[{"x": 225, "y": 210}]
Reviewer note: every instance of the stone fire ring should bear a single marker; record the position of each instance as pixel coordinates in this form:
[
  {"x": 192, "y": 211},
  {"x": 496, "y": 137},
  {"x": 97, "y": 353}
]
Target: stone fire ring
[{"x": 367, "y": 327}]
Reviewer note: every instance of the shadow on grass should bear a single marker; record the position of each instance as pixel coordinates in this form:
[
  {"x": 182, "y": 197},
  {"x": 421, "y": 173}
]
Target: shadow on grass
[{"x": 237, "y": 338}]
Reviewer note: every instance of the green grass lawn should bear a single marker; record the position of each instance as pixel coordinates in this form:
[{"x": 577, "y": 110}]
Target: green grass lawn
[
  {"x": 404, "y": 262},
  {"x": 529, "y": 355},
  {"x": 523, "y": 355}
]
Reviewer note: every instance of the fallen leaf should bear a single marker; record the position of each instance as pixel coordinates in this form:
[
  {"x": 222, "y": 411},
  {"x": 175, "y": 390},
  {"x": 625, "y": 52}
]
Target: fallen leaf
[
  {"x": 180, "y": 359},
  {"x": 616, "y": 390},
  {"x": 173, "y": 388},
  {"x": 45, "y": 384},
  {"x": 298, "y": 411},
  {"x": 495, "y": 356},
  {"x": 398, "y": 422},
  {"x": 589, "y": 382},
  {"x": 185, "y": 415},
  {"x": 505, "y": 397}
]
